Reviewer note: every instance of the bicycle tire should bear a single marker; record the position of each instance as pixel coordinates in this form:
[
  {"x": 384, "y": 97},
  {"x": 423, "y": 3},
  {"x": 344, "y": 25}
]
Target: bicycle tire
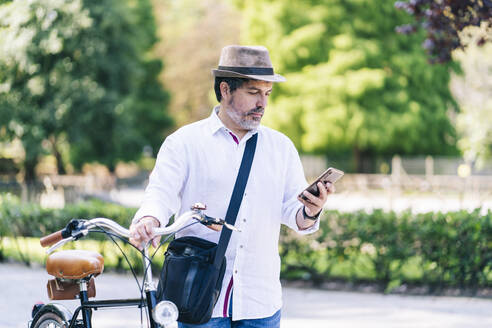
[{"x": 49, "y": 320}]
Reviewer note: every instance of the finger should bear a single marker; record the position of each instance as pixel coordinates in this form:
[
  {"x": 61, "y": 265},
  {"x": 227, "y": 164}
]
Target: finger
[
  {"x": 312, "y": 211},
  {"x": 134, "y": 236},
  {"x": 149, "y": 229},
  {"x": 137, "y": 242},
  {"x": 156, "y": 241},
  {"x": 304, "y": 201},
  {"x": 144, "y": 236},
  {"x": 323, "y": 193},
  {"x": 312, "y": 208},
  {"x": 313, "y": 199},
  {"x": 140, "y": 232},
  {"x": 330, "y": 187}
]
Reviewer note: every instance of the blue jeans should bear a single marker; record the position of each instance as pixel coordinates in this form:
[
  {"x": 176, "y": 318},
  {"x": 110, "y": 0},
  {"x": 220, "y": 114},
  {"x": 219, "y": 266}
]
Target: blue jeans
[{"x": 270, "y": 322}]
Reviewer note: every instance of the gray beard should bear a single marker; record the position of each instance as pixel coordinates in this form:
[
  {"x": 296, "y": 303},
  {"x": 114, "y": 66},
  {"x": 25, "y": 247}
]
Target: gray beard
[{"x": 241, "y": 120}]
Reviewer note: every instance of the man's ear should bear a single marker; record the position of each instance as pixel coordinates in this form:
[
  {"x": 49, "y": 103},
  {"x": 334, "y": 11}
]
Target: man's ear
[{"x": 224, "y": 89}]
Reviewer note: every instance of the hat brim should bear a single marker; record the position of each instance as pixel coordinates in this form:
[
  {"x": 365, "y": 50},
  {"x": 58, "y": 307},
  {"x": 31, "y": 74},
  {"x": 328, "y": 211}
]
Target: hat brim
[{"x": 267, "y": 78}]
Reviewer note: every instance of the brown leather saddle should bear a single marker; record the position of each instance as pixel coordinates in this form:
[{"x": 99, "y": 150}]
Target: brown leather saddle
[{"x": 71, "y": 268}]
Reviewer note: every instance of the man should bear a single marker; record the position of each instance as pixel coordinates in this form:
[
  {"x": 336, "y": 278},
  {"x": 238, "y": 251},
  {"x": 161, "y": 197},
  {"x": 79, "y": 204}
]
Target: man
[{"x": 200, "y": 162}]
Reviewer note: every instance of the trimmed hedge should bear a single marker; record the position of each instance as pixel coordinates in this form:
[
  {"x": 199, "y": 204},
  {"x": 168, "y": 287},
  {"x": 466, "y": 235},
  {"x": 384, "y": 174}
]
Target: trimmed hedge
[
  {"x": 31, "y": 220},
  {"x": 438, "y": 250},
  {"x": 19, "y": 219},
  {"x": 434, "y": 249}
]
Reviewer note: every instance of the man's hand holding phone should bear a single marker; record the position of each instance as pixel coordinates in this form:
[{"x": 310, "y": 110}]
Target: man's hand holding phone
[
  {"x": 314, "y": 204},
  {"x": 315, "y": 195}
]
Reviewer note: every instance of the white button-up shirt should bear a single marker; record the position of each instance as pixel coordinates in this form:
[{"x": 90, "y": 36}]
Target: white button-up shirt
[{"x": 200, "y": 163}]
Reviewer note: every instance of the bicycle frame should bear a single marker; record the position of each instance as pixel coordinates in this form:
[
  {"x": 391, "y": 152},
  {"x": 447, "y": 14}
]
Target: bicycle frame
[{"x": 87, "y": 306}]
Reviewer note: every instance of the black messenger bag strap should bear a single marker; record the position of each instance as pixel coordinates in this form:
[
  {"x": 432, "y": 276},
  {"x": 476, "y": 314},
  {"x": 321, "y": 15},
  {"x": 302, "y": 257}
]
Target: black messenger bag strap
[{"x": 236, "y": 198}]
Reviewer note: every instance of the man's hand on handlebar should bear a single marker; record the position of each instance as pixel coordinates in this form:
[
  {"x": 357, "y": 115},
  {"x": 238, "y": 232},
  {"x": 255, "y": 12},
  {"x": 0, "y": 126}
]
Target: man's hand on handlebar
[{"x": 143, "y": 231}]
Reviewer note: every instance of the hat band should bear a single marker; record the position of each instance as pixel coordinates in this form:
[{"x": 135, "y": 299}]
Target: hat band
[{"x": 248, "y": 70}]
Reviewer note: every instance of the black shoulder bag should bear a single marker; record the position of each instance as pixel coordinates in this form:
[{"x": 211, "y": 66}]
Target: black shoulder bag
[{"x": 193, "y": 269}]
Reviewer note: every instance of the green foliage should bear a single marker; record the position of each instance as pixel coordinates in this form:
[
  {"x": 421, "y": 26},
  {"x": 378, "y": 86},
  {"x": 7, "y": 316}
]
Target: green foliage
[
  {"x": 20, "y": 221},
  {"x": 192, "y": 35},
  {"x": 31, "y": 220},
  {"x": 80, "y": 72},
  {"x": 435, "y": 249},
  {"x": 353, "y": 83},
  {"x": 390, "y": 237},
  {"x": 457, "y": 247}
]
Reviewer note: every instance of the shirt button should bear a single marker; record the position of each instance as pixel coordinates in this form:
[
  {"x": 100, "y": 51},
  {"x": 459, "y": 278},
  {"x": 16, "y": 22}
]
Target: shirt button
[
  {"x": 235, "y": 271},
  {"x": 240, "y": 246},
  {"x": 244, "y": 220}
]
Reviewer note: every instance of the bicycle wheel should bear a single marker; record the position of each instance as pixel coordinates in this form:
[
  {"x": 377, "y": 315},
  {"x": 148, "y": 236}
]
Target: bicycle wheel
[{"x": 49, "y": 320}]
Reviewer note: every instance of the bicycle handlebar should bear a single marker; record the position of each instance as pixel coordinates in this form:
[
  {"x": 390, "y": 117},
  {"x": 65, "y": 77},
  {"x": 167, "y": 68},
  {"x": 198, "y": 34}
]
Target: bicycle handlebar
[
  {"x": 51, "y": 238},
  {"x": 77, "y": 228},
  {"x": 84, "y": 226}
]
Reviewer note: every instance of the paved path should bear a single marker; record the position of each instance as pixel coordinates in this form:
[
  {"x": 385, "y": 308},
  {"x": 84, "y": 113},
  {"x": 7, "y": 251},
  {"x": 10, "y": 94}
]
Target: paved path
[{"x": 20, "y": 287}]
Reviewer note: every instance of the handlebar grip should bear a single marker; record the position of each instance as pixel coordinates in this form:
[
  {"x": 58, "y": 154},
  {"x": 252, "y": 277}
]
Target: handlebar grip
[{"x": 51, "y": 239}]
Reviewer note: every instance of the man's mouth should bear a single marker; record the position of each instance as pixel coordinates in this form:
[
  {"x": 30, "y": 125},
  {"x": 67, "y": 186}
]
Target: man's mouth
[{"x": 256, "y": 113}]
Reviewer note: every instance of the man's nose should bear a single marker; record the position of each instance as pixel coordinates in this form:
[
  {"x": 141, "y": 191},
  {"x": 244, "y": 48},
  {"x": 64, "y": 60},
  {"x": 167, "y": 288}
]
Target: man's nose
[{"x": 262, "y": 101}]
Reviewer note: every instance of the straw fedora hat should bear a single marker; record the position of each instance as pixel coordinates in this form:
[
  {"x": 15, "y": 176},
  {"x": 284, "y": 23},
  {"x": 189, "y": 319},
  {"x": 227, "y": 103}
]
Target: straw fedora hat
[{"x": 251, "y": 62}]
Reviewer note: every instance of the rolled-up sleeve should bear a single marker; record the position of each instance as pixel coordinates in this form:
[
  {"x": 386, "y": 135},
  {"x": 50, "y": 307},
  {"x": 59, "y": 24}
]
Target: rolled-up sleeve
[
  {"x": 161, "y": 199},
  {"x": 294, "y": 184}
]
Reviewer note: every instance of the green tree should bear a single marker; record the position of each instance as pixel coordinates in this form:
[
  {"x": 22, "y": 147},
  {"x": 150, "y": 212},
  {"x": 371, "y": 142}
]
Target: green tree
[
  {"x": 192, "y": 35},
  {"x": 354, "y": 84},
  {"x": 79, "y": 75}
]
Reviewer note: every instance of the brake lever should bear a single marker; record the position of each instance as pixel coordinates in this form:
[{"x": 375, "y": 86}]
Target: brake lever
[
  {"x": 231, "y": 227},
  {"x": 59, "y": 244},
  {"x": 73, "y": 231},
  {"x": 207, "y": 221},
  {"x": 77, "y": 229}
]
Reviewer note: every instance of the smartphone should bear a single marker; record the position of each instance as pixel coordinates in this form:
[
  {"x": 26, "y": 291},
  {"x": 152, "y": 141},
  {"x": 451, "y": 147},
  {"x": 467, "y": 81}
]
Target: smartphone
[{"x": 330, "y": 175}]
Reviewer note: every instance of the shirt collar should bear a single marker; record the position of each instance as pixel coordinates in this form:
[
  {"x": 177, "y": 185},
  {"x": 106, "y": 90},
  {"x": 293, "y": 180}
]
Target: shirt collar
[
  {"x": 216, "y": 124},
  {"x": 214, "y": 121}
]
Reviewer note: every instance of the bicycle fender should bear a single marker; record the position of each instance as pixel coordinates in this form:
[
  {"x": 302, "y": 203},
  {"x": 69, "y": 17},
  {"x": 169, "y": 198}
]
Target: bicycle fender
[{"x": 56, "y": 308}]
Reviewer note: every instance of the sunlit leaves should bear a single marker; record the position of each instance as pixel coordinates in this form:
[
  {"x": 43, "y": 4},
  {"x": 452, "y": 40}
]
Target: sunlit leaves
[
  {"x": 353, "y": 84},
  {"x": 80, "y": 72}
]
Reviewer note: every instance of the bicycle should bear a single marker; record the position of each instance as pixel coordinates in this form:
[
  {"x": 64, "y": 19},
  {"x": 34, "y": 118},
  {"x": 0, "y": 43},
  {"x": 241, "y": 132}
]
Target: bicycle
[{"x": 74, "y": 272}]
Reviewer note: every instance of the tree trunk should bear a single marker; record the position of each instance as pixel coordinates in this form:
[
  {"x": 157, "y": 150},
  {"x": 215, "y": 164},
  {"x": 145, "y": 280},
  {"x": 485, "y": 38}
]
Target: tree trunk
[
  {"x": 30, "y": 170},
  {"x": 59, "y": 162},
  {"x": 60, "y": 168},
  {"x": 112, "y": 166},
  {"x": 357, "y": 159}
]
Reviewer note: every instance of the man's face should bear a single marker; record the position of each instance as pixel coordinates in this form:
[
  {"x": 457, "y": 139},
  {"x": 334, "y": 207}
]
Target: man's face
[{"x": 246, "y": 105}]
